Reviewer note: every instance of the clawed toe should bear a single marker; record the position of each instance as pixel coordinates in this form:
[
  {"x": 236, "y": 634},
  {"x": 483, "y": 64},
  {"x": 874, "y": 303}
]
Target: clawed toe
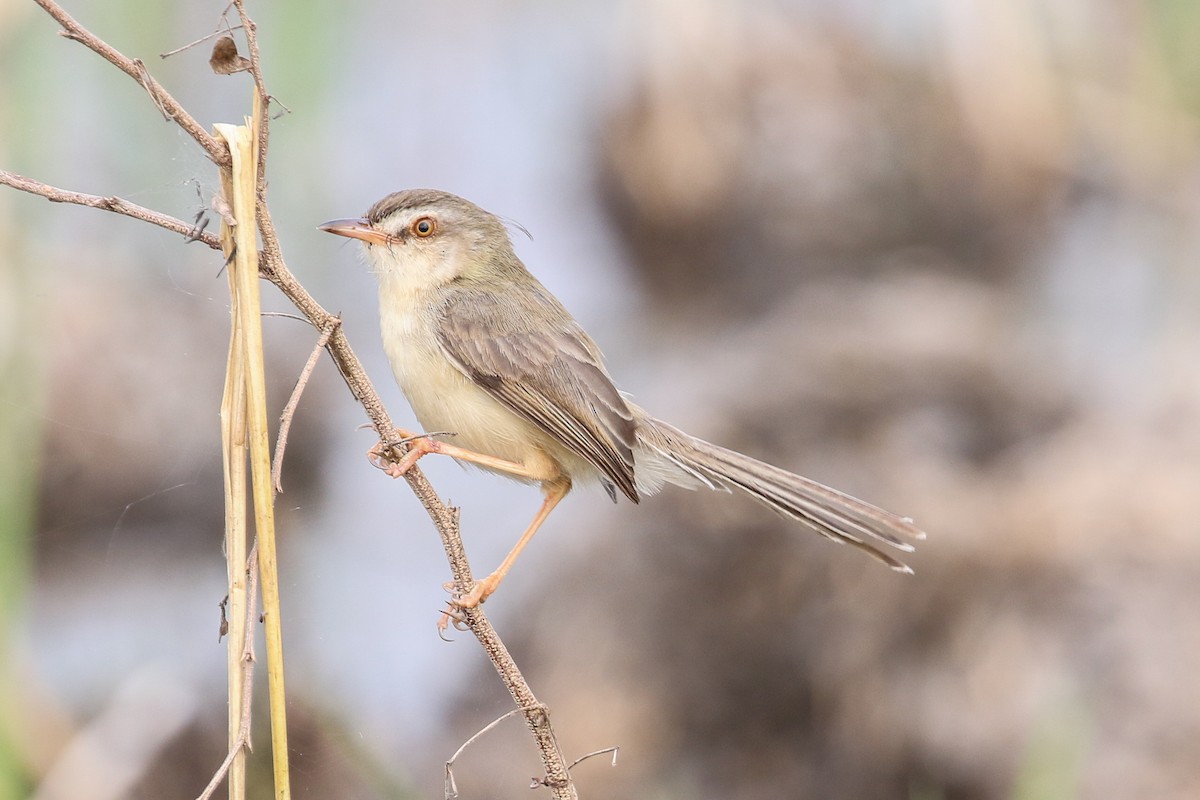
[
  {"x": 460, "y": 602},
  {"x": 418, "y": 447},
  {"x": 481, "y": 591},
  {"x": 450, "y": 616}
]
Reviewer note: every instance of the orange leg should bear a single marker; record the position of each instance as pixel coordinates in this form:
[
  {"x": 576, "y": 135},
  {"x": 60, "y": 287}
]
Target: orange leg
[
  {"x": 422, "y": 446},
  {"x": 556, "y": 489},
  {"x": 555, "y": 492}
]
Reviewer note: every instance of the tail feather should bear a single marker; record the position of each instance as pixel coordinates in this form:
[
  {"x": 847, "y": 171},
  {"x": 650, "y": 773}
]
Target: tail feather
[{"x": 676, "y": 457}]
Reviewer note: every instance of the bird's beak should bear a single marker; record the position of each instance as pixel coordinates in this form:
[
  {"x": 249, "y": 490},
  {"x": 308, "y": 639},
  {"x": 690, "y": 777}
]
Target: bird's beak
[{"x": 355, "y": 229}]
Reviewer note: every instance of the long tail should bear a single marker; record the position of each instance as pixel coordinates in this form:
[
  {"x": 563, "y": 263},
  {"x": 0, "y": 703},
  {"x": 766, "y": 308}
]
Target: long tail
[{"x": 668, "y": 454}]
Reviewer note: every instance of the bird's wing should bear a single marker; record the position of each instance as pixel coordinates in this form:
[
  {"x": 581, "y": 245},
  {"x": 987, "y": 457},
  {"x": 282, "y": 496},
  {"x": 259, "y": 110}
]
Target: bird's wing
[{"x": 533, "y": 357}]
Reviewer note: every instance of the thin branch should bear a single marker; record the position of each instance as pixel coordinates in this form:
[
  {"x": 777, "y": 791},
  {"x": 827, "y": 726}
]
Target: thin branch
[
  {"x": 144, "y": 78},
  {"x": 243, "y": 735},
  {"x": 615, "y": 749},
  {"x": 266, "y": 227},
  {"x": 289, "y": 410},
  {"x": 110, "y": 203},
  {"x": 251, "y": 30},
  {"x": 136, "y": 70},
  {"x": 219, "y": 31},
  {"x": 537, "y": 716},
  {"x": 451, "y": 786}
]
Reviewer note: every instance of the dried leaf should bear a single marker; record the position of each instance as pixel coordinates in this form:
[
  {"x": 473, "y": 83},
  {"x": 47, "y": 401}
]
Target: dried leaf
[{"x": 225, "y": 59}]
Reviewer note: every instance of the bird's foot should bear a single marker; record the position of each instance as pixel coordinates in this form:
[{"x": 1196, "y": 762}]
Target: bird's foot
[
  {"x": 450, "y": 616},
  {"x": 460, "y": 602},
  {"x": 418, "y": 447},
  {"x": 481, "y": 591}
]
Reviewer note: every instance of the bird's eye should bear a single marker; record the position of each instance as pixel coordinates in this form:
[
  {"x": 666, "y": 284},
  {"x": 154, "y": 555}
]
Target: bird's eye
[{"x": 423, "y": 227}]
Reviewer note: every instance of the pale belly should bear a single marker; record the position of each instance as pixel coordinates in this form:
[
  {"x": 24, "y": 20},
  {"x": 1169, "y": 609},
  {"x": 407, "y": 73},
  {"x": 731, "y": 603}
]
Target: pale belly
[{"x": 444, "y": 399}]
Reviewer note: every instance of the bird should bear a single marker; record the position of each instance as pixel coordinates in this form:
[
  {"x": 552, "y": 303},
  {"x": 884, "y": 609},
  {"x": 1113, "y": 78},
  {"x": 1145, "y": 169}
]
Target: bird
[{"x": 482, "y": 350}]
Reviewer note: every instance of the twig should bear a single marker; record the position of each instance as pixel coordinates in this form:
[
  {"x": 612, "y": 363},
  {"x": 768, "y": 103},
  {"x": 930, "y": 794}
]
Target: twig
[
  {"x": 282, "y": 108},
  {"x": 136, "y": 70},
  {"x": 243, "y": 736},
  {"x": 451, "y": 786},
  {"x": 615, "y": 749},
  {"x": 266, "y": 228},
  {"x": 143, "y": 77},
  {"x": 201, "y": 40},
  {"x": 251, "y": 31},
  {"x": 285, "y": 315},
  {"x": 289, "y": 410},
  {"x": 537, "y": 716},
  {"x": 110, "y": 203}
]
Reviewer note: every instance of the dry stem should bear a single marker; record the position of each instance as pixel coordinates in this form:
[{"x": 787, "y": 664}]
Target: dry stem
[
  {"x": 239, "y": 187},
  {"x": 243, "y": 735},
  {"x": 289, "y": 410}
]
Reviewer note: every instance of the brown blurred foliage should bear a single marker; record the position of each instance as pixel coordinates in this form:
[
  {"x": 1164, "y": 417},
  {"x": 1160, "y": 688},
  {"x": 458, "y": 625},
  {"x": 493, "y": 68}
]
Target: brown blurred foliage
[{"x": 856, "y": 256}]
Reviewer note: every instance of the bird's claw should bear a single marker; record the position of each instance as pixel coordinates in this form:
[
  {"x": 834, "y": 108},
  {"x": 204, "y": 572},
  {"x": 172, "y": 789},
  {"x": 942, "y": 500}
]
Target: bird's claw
[
  {"x": 418, "y": 447},
  {"x": 450, "y": 616},
  {"x": 464, "y": 601},
  {"x": 480, "y": 592}
]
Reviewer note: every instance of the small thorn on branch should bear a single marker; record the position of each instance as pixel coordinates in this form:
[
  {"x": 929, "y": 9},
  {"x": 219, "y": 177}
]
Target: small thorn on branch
[{"x": 545, "y": 781}]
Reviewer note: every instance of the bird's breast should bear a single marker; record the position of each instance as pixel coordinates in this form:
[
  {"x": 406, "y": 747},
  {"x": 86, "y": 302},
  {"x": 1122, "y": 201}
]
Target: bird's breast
[{"x": 444, "y": 399}]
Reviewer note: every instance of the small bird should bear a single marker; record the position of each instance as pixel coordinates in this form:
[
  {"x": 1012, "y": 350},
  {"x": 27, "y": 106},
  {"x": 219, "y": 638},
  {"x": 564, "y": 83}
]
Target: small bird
[{"x": 482, "y": 350}]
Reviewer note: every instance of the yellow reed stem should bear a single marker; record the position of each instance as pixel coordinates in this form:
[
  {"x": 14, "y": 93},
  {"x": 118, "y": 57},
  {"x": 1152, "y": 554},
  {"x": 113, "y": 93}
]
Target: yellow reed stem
[{"x": 244, "y": 269}]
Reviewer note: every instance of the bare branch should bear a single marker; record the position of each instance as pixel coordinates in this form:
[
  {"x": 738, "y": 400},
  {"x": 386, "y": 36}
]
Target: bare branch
[
  {"x": 266, "y": 227},
  {"x": 544, "y": 781},
  {"x": 110, "y": 203},
  {"x": 201, "y": 40},
  {"x": 137, "y": 70},
  {"x": 298, "y": 318},
  {"x": 289, "y": 411},
  {"x": 615, "y": 749},
  {"x": 451, "y": 786},
  {"x": 537, "y": 716}
]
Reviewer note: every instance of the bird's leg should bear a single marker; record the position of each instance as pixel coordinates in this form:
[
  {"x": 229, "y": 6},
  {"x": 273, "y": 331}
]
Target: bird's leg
[
  {"x": 555, "y": 492},
  {"x": 421, "y": 446}
]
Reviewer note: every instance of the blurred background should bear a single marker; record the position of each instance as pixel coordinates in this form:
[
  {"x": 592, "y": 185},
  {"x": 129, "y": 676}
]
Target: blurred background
[{"x": 941, "y": 255}]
